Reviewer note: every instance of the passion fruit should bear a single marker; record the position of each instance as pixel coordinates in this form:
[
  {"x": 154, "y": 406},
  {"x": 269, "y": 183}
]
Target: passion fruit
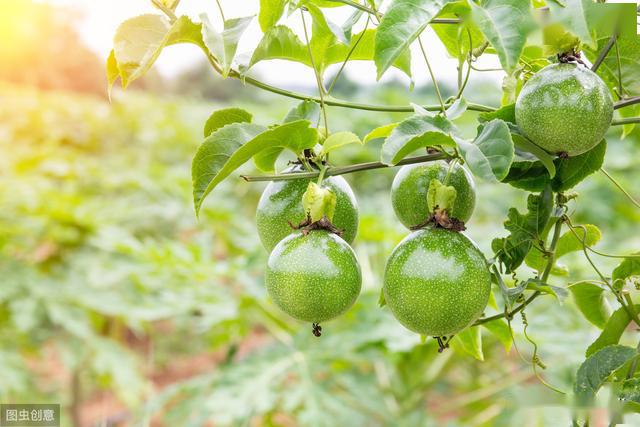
[
  {"x": 280, "y": 204},
  {"x": 436, "y": 282},
  {"x": 565, "y": 109},
  {"x": 313, "y": 277}
]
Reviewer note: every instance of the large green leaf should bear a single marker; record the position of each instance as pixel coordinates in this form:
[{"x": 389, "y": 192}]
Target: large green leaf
[
  {"x": 231, "y": 146},
  {"x": 470, "y": 341},
  {"x": 458, "y": 39},
  {"x": 629, "y": 267},
  {"x": 533, "y": 176},
  {"x": 139, "y": 41},
  {"x": 380, "y": 132},
  {"x": 226, "y": 116},
  {"x": 491, "y": 153},
  {"x": 338, "y": 140},
  {"x": 400, "y": 26},
  {"x": 525, "y": 230},
  {"x": 416, "y": 132},
  {"x": 506, "y": 25},
  {"x": 590, "y": 300},
  {"x": 594, "y": 371},
  {"x": 282, "y": 43},
  {"x": 362, "y": 45},
  {"x": 572, "y": 15},
  {"x": 500, "y": 329},
  {"x": 629, "y": 48},
  {"x": 612, "y": 331},
  {"x": 223, "y": 45},
  {"x": 567, "y": 243},
  {"x": 270, "y": 13}
]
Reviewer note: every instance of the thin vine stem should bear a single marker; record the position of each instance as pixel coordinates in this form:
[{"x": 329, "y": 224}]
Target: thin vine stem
[
  {"x": 625, "y": 121},
  {"x": 316, "y": 73},
  {"x": 333, "y": 102},
  {"x": 545, "y": 275},
  {"x": 172, "y": 16},
  {"x": 626, "y": 102},
  {"x": 221, "y": 11},
  {"x": 378, "y": 15},
  {"x": 620, "y": 187},
  {"x": 344, "y": 63},
  {"x": 462, "y": 87},
  {"x": 433, "y": 77},
  {"x": 358, "y": 167},
  {"x": 619, "y": 65},
  {"x": 604, "y": 52}
]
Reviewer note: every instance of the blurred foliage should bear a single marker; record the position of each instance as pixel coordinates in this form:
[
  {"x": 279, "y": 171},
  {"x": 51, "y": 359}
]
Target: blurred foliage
[{"x": 107, "y": 280}]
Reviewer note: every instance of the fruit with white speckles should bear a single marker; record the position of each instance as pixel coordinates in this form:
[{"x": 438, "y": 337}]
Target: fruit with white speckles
[
  {"x": 281, "y": 202},
  {"x": 313, "y": 277},
  {"x": 565, "y": 108},
  {"x": 436, "y": 282},
  {"x": 411, "y": 184}
]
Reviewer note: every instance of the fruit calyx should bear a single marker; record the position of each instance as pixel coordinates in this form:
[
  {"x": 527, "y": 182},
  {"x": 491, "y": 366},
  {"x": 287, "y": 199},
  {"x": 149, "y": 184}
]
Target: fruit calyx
[
  {"x": 571, "y": 57},
  {"x": 440, "y": 200},
  {"x": 443, "y": 343},
  {"x": 319, "y": 204}
]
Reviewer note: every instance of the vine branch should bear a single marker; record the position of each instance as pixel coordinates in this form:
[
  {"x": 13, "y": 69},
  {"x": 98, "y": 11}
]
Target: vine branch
[
  {"x": 379, "y": 15},
  {"x": 358, "y": 167},
  {"x": 604, "y": 52},
  {"x": 625, "y": 121},
  {"x": 626, "y": 102}
]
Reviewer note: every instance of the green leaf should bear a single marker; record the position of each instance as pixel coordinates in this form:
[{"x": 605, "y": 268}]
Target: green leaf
[
  {"x": 400, "y": 26},
  {"x": 573, "y": 170},
  {"x": 266, "y": 159},
  {"x": 280, "y": 42},
  {"x": 457, "y": 109},
  {"x": 440, "y": 196},
  {"x": 506, "y": 25},
  {"x": 612, "y": 331},
  {"x": 537, "y": 285},
  {"x": 414, "y": 133},
  {"x": 490, "y": 155},
  {"x": 590, "y": 300},
  {"x": 112, "y": 70},
  {"x": 525, "y": 230},
  {"x": 318, "y": 202},
  {"x": 500, "y": 329},
  {"x": 629, "y": 267},
  {"x": 567, "y": 243},
  {"x": 270, "y": 13},
  {"x": 532, "y": 176},
  {"x": 573, "y": 17},
  {"x": 230, "y": 147},
  {"x": 470, "y": 340},
  {"x": 380, "y": 132},
  {"x": 630, "y": 390},
  {"x": 455, "y": 38},
  {"x": 324, "y": 25},
  {"x": 597, "y": 368},
  {"x": 522, "y": 143},
  {"x": 138, "y": 42},
  {"x": 362, "y": 49},
  {"x": 226, "y": 116},
  {"x": 506, "y": 113},
  {"x": 338, "y": 140},
  {"x": 223, "y": 45}
]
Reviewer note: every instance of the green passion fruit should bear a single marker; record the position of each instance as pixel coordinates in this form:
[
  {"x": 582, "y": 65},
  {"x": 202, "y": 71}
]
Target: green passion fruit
[
  {"x": 281, "y": 203},
  {"x": 436, "y": 282},
  {"x": 565, "y": 109},
  {"x": 411, "y": 184},
  {"x": 313, "y": 277}
]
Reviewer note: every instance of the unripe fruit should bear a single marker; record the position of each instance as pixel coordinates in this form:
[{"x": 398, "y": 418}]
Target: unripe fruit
[
  {"x": 565, "y": 108},
  {"x": 313, "y": 277},
  {"x": 281, "y": 203},
  {"x": 411, "y": 184},
  {"x": 436, "y": 282}
]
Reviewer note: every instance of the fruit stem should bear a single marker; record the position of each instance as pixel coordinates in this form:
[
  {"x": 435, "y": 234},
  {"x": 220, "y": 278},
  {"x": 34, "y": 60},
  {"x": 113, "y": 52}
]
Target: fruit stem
[{"x": 358, "y": 167}]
